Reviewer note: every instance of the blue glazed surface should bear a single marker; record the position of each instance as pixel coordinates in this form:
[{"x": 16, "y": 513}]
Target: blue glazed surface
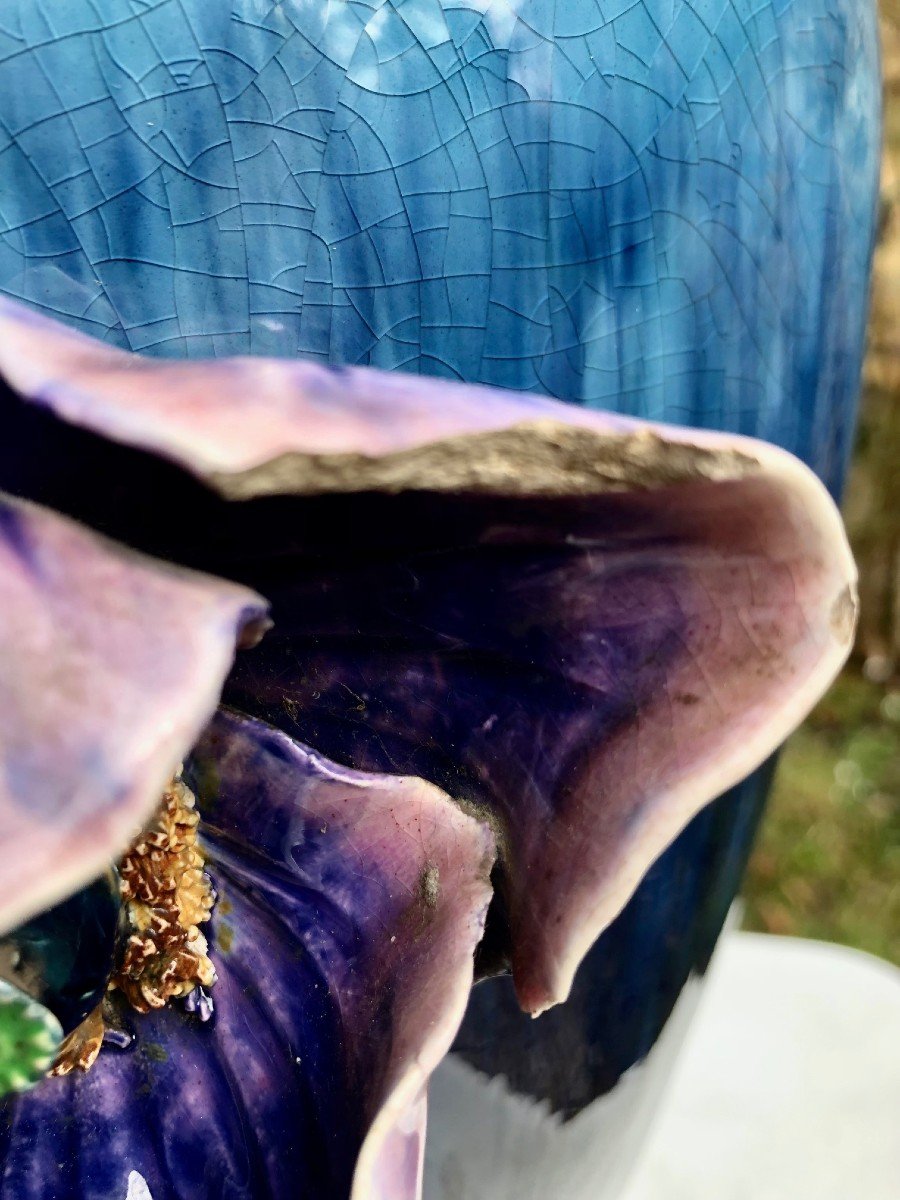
[{"x": 661, "y": 208}]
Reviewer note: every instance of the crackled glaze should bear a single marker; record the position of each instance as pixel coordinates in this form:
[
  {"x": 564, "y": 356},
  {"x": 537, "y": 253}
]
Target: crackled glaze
[{"x": 662, "y": 206}]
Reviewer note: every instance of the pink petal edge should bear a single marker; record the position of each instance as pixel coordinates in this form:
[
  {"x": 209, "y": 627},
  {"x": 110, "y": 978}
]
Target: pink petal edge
[
  {"x": 110, "y": 666},
  {"x": 426, "y": 865}
]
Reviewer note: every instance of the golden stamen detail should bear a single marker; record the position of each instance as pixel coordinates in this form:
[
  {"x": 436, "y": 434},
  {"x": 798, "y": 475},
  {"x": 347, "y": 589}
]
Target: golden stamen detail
[
  {"x": 80, "y": 1049},
  {"x": 167, "y": 896}
]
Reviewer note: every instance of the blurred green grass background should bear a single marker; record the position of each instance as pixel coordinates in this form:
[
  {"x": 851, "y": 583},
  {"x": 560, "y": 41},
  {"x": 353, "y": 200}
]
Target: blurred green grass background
[{"x": 827, "y": 861}]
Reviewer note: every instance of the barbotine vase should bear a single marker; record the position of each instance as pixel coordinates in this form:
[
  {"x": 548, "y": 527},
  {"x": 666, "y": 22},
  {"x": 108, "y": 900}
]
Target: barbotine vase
[{"x": 661, "y": 209}]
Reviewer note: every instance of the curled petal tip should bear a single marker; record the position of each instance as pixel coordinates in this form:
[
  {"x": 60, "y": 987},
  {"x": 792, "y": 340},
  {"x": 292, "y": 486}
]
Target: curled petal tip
[
  {"x": 770, "y": 617},
  {"x": 253, "y": 627}
]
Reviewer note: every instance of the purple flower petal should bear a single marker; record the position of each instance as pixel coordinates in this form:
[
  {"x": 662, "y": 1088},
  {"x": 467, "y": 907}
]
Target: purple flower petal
[
  {"x": 593, "y": 672},
  {"x": 349, "y": 909},
  {"x": 110, "y": 665},
  {"x": 585, "y": 625}
]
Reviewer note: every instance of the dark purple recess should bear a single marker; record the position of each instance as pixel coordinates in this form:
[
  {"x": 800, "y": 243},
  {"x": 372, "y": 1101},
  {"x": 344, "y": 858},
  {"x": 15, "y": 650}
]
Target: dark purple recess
[{"x": 426, "y": 634}]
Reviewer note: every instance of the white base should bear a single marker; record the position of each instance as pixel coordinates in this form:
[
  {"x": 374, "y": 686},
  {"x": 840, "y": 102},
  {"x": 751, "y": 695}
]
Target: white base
[
  {"x": 485, "y": 1142},
  {"x": 787, "y": 1087}
]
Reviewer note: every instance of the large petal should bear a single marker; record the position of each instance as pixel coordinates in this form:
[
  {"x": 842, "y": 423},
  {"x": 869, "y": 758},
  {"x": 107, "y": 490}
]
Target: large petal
[
  {"x": 585, "y": 625},
  {"x": 110, "y": 665},
  {"x": 348, "y": 912},
  {"x": 592, "y": 672}
]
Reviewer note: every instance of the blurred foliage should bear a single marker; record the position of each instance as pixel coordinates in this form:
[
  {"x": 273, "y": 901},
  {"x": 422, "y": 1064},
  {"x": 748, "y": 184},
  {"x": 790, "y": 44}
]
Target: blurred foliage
[
  {"x": 827, "y": 862},
  {"x": 872, "y": 503}
]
